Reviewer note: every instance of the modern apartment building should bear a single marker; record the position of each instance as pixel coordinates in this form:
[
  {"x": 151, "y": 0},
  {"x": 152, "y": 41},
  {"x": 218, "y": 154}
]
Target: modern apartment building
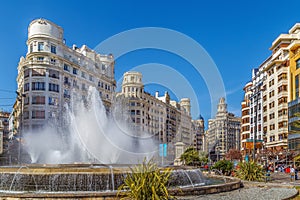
[
  {"x": 169, "y": 121},
  {"x": 223, "y": 132},
  {"x": 245, "y": 124},
  {"x": 278, "y": 84},
  {"x": 51, "y": 72}
]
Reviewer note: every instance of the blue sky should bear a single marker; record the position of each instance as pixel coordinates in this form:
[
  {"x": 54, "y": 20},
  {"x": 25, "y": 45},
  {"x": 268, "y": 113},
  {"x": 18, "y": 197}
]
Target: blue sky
[{"x": 236, "y": 34}]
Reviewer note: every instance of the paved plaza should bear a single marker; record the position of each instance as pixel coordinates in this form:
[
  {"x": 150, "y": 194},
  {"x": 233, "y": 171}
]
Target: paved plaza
[{"x": 280, "y": 187}]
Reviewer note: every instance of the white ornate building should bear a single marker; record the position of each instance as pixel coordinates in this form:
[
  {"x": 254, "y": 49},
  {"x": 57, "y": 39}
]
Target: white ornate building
[
  {"x": 51, "y": 71},
  {"x": 169, "y": 121},
  {"x": 223, "y": 132}
]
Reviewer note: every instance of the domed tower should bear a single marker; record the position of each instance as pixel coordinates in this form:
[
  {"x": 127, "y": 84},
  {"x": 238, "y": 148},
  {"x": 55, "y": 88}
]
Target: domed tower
[
  {"x": 44, "y": 35},
  {"x": 222, "y": 106},
  {"x": 186, "y": 105},
  {"x": 132, "y": 85},
  {"x": 200, "y": 120}
]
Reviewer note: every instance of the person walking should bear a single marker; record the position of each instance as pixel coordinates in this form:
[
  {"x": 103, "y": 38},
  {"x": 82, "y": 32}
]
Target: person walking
[{"x": 292, "y": 173}]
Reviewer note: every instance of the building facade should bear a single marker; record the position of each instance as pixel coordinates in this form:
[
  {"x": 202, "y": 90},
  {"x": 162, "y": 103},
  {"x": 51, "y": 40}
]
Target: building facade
[
  {"x": 4, "y": 137},
  {"x": 51, "y": 73},
  {"x": 278, "y": 85},
  {"x": 199, "y": 134},
  {"x": 294, "y": 98},
  {"x": 223, "y": 132},
  {"x": 167, "y": 120},
  {"x": 245, "y": 123}
]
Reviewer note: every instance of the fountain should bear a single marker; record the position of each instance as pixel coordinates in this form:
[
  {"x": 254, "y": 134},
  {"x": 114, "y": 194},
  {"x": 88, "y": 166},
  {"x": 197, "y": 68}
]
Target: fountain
[{"x": 65, "y": 163}]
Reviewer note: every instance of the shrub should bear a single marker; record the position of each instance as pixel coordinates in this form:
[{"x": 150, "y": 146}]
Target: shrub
[
  {"x": 250, "y": 171},
  {"x": 146, "y": 181},
  {"x": 225, "y": 166}
]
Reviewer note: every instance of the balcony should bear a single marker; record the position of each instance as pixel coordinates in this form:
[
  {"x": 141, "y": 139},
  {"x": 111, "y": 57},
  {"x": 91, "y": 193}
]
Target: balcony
[
  {"x": 282, "y": 70},
  {"x": 282, "y": 94},
  {"x": 67, "y": 83},
  {"x": 38, "y": 62},
  {"x": 54, "y": 76},
  {"x": 67, "y": 96},
  {"x": 282, "y": 82},
  {"x": 282, "y": 106}
]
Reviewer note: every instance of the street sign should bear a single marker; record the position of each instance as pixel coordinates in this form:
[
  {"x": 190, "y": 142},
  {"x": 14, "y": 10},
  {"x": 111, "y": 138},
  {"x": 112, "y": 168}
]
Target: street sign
[{"x": 163, "y": 148}]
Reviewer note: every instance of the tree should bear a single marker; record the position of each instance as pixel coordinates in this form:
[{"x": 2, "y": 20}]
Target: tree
[
  {"x": 233, "y": 154},
  {"x": 190, "y": 156},
  {"x": 203, "y": 157},
  {"x": 146, "y": 181}
]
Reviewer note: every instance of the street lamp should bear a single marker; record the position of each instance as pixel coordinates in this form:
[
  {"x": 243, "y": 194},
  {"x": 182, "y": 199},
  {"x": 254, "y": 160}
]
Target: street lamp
[{"x": 20, "y": 97}]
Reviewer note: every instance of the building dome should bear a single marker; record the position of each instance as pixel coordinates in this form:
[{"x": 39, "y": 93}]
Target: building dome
[
  {"x": 45, "y": 28},
  {"x": 200, "y": 117}
]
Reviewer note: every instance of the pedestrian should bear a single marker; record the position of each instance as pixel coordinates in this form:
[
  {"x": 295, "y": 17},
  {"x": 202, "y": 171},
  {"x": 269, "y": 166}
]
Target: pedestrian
[
  {"x": 296, "y": 173},
  {"x": 292, "y": 173}
]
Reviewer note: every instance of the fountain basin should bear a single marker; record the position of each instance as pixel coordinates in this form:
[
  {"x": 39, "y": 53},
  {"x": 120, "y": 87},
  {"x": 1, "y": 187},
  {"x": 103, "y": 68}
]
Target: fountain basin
[{"x": 93, "y": 181}]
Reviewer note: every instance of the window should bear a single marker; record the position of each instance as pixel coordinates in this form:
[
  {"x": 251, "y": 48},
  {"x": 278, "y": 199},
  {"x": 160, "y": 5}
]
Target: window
[
  {"x": 66, "y": 81},
  {"x": 91, "y": 78},
  {"x": 297, "y": 85},
  {"x": 26, "y": 87},
  {"x": 26, "y": 100},
  {"x": 40, "y": 59},
  {"x": 265, "y": 108},
  {"x": 52, "y": 61},
  {"x": 66, "y": 93},
  {"x": 282, "y": 100},
  {"x": 38, "y": 114},
  {"x": 53, "y": 87},
  {"x": 41, "y": 46},
  {"x": 53, "y": 49},
  {"x": 265, "y": 98},
  {"x": 38, "y": 86},
  {"x": 83, "y": 86},
  {"x": 26, "y": 114},
  {"x": 53, "y": 101},
  {"x": 66, "y": 67},
  {"x": 38, "y": 100},
  {"x": 282, "y": 88},
  {"x": 75, "y": 71},
  {"x": 26, "y": 73},
  {"x": 282, "y": 76},
  {"x": 272, "y": 104},
  {"x": 53, "y": 74},
  {"x": 75, "y": 84},
  {"x": 31, "y": 48},
  {"x": 298, "y": 64},
  {"x": 82, "y": 74}
]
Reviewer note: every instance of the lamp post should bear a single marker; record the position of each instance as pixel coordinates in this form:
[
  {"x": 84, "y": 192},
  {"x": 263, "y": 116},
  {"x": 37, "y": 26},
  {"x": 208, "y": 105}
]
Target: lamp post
[{"x": 20, "y": 98}]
